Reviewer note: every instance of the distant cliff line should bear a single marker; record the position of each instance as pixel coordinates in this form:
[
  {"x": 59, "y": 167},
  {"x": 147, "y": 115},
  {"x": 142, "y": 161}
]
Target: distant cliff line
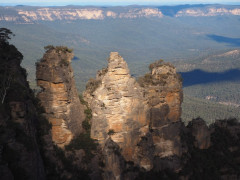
[{"x": 27, "y": 14}]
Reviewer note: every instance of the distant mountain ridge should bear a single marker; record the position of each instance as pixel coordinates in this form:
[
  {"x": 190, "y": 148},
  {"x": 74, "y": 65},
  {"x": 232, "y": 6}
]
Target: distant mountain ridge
[{"x": 28, "y": 14}]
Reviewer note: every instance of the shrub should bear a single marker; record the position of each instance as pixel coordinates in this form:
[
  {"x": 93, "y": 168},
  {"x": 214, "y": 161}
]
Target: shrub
[
  {"x": 102, "y": 72},
  {"x": 88, "y": 113},
  {"x": 64, "y": 62},
  {"x": 85, "y": 142},
  {"x": 179, "y": 77},
  {"x": 5, "y": 35},
  {"x": 86, "y": 125},
  {"x": 58, "y": 48},
  {"x": 83, "y": 102},
  {"x": 92, "y": 85},
  {"x": 49, "y": 47},
  {"x": 156, "y": 64},
  {"x": 145, "y": 80},
  {"x": 232, "y": 121},
  {"x": 63, "y": 49},
  {"x": 111, "y": 132}
]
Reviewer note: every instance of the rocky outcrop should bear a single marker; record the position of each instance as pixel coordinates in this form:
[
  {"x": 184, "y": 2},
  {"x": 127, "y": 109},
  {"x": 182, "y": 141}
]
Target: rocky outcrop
[
  {"x": 117, "y": 105},
  {"x": 137, "y": 115},
  {"x": 137, "y": 124},
  {"x": 114, "y": 162},
  {"x": 19, "y": 149},
  {"x": 29, "y": 16},
  {"x": 163, "y": 92},
  {"x": 209, "y": 11},
  {"x": 200, "y": 132},
  {"x": 163, "y": 87},
  {"x": 59, "y": 95}
]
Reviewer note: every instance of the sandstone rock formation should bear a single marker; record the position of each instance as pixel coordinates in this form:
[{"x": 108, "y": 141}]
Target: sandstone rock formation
[
  {"x": 29, "y": 16},
  {"x": 116, "y": 101},
  {"x": 201, "y": 132},
  {"x": 138, "y": 116},
  {"x": 210, "y": 11},
  {"x": 114, "y": 162},
  {"x": 163, "y": 92},
  {"x": 59, "y": 95},
  {"x": 19, "y": 150},
  {"x": 137, "y": 124}
]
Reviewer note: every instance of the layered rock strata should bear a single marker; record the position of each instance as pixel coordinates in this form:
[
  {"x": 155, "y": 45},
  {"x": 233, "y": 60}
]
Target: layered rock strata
[
  {"x": 117, "y": 105},
  {"x": 163, "y": 94},
  {"x": 137, "y": 115},
  {"x": 59, "y": 95}
]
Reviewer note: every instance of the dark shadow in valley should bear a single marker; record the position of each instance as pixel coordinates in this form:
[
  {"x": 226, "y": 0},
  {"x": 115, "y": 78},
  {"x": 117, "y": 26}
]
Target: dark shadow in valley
[
  {"x": 173, "y": 10},
  {"x": 198, "y": 76},
  {"x": 223, "y": 39},
  {"x": 75, "y": 58}
]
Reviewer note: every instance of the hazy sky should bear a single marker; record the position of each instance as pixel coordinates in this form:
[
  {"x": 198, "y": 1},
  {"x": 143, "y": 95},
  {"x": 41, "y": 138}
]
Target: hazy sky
[{"x": 114, "y": 2}]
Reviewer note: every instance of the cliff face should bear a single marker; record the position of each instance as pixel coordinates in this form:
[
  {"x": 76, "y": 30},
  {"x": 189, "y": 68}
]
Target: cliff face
[
  {"x": 133, "y": 112},
  {"x": 25, "y": 15},
  {"x": 163, "y": 94},
  {"x": 211, "y": 11},
  {"x": 59, "y": 95},
  {"x": 116, "y": 101},
  {"x": 19, "y": 151},
  {"x": 30, "y": 15},
  {"x": 201, "y": 133},
  {"x": 137, "y": 124}
]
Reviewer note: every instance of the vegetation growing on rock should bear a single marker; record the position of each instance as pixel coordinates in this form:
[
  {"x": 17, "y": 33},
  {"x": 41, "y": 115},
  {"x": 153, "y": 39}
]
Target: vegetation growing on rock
[
  {"x": 84, "y": 141},
  {"x": 111, "y": 132},
  {"x": 58, "y": 49},
  {"x": 92, "y": 85},
  {"x": 144, "y": 127}
]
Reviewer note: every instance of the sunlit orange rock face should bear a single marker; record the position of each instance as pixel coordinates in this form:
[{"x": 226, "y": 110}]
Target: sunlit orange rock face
[
  {"x": 148, "y": 109},
  {"x": 59, "y": 95},
  {"x": 163, "y": 93}
]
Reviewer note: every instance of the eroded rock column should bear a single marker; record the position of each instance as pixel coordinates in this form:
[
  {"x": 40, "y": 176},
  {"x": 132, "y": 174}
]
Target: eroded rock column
[
  {"x": 142, "y": 118},
  {"x": 59, "y": 95},
  {"x": 117, "y": 106}
]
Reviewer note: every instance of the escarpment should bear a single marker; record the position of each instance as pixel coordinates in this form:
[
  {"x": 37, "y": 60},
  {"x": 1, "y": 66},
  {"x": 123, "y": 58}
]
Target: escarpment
[
  {"x": 19, "y": 149},
  {"x": 135, "y": 114},
  {"x": 59, "y": 95},
  {"x": 137, "y": 124}
]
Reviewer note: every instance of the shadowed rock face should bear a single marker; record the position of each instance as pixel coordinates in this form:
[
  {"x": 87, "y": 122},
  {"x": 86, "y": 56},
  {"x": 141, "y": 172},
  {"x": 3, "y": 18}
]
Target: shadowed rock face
[
  {"x": 114, "y": 162},
  {"x": 201, "y": 133},
  {"x": 59, "y": 95},
  {"x": 120, "y": 104},
  {"x": 164, "y": 95},
  {"x": 19, "y": 149}
]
